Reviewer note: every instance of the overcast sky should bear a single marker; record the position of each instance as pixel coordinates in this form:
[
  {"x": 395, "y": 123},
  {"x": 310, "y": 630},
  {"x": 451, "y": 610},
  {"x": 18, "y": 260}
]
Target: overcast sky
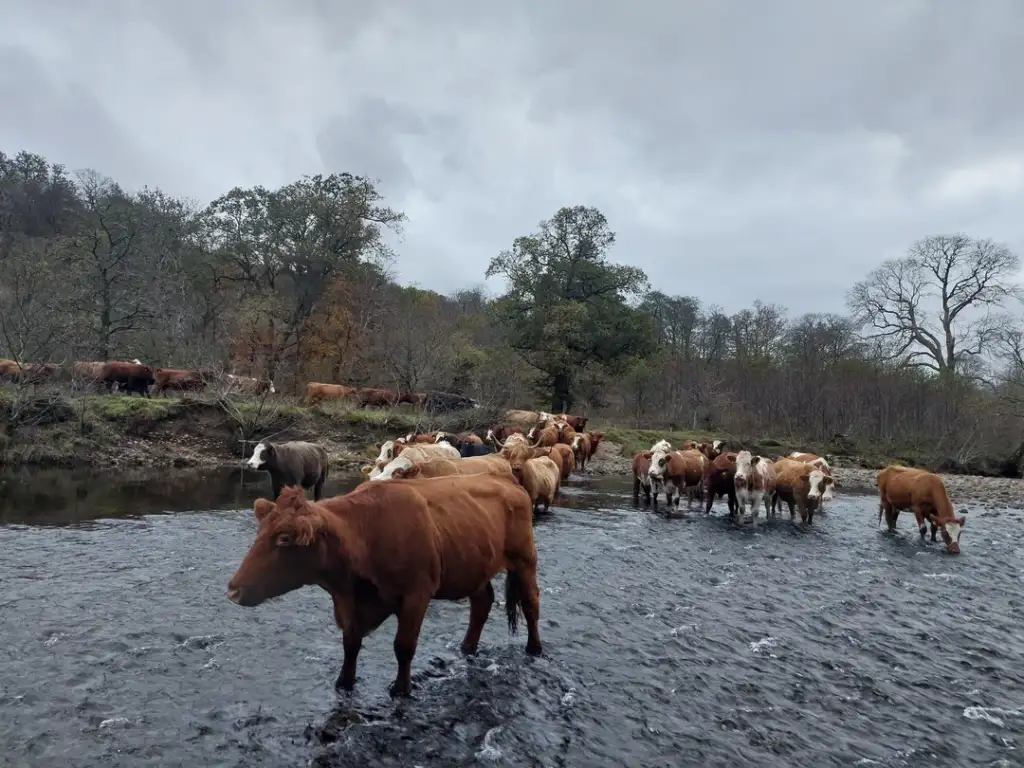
[{"x": 741, "y": 150}]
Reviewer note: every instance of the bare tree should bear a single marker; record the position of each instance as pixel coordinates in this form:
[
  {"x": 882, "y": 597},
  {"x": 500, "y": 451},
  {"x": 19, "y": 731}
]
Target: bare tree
[{"x": 940, "y": 307}]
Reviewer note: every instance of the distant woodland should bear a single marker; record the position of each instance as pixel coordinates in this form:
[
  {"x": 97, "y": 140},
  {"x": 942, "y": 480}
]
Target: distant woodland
[{"x": 294, "y": 284}]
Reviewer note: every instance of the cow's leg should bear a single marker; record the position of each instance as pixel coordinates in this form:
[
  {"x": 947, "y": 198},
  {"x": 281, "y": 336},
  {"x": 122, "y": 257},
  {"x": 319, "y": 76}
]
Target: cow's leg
[
  {"x": 480, "y": 603},
  {"x": 636, "y": 488},
  {"x": 410, "y": 620},
  {"x": 891, "y": 513},
  {"x": 935, "y": 530},
  {"x": 318, "y": 487},
  {"x": 365, "y": 617},
  {"x": 920, "y": 517},
  {"x": 769, "y": 509}
]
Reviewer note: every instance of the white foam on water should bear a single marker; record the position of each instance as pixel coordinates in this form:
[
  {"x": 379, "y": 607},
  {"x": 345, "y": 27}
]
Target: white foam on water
[
  {"x": 764, "y": 646},
  {"x": 488, "y": 751},
  {"x": 992, "y": 715}
]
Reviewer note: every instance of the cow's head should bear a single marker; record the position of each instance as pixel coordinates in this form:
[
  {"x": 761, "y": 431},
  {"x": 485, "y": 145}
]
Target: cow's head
[
  {"x": 262, "y": 456},
  {"x": 398, "y": 468},
  {"x": 287, "y": 553},
  {"x": 951, "y": 529},
  {"x": 386, "y": 451},
  {"x": 819, "y": 487},
  {"x": 659, "y": 463},
  {"x": 662, "y": 445},
  {"x": 745, "y": 464}
]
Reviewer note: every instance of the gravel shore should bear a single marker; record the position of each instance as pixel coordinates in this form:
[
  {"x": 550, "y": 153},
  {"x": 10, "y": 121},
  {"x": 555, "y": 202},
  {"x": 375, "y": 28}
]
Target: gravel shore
[{"x": 964, "y": 490}]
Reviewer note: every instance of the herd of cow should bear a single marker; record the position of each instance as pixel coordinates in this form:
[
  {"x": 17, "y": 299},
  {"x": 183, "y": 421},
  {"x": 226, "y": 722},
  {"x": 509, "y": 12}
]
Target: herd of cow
[
  {"x": 803, "y": 481},
  {"x": 130, "y": 377},
  {"x": 443, "y": 513},
  {"x": 135, "y": 377}
]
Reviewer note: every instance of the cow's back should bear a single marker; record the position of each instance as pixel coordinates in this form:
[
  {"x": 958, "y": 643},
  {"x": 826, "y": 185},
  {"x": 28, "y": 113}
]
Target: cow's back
[
  {"x": 487, "y": 465},
  {"x": 478, "y": 521},
  {"x": 301, "y": 461}
]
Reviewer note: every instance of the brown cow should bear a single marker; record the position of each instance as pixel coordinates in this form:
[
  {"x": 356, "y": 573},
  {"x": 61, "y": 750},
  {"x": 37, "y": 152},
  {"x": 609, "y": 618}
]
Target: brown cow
[
  {"x": 566, "y": 434},
  {"x": 812, "y": 459},
  {"x": 540, "y": 476},
  {"x": 544, "y": 437},
  {"x": 178, "y": 380},
  {"x": 711, "y": 449},
  {"x": 677, "y": 472},
  {"x": 800, "y": 484},
  {"x": 376, "y": 397},
  {"x": 389, "y": 549},
  {"x": 579, "y": 423},
  {"x": 87, "y": 375},
  {"x": 688, "y": 445},
  {"x": 129, "y": 377},
  {"x": 581, "y": 449},
  {"x": 317, "y": 392},
  {"x": 524, "y": 418},
  {"x": 923, "y": 492},
  {"x": 755, "y": 484},
  {"x": 642, "y": 475},
  {"x": 563, "y": 456},
  {"x": 30, "y": 373},
  {"x": 718, "y": 481}
]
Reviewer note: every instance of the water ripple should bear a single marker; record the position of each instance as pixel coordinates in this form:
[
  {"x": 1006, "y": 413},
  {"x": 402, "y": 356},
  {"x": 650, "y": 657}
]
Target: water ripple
[{"x": 667, "y": 642}]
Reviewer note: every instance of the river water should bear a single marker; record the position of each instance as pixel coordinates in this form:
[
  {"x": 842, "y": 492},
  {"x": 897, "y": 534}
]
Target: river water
[{"x": 667, "y": 642}]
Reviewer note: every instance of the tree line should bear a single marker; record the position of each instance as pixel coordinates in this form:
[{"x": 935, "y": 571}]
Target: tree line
[{"x": 295, "y": 284}]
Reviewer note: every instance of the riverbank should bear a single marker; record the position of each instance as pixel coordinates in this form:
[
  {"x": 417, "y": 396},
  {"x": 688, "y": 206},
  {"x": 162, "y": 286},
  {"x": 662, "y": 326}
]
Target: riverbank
[{"x": 114, "y": 431}]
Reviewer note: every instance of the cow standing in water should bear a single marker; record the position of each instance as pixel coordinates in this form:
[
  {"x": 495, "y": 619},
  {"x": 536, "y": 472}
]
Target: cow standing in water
[
  {"x": 925, "y": 494},
  {"x": 389, "y": 549},
  {"x": 294, "y": 463},
  {"x": 801, "y": 486},
  {"x": 755, "y": 485}
]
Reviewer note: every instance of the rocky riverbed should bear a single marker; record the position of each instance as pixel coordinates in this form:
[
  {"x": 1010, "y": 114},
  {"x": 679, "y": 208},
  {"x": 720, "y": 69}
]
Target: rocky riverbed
[{"x": 964, "y": 490}]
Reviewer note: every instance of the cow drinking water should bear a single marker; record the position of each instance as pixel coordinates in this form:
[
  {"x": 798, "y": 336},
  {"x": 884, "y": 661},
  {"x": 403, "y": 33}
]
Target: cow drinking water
[{"x": 925, "y": 494}]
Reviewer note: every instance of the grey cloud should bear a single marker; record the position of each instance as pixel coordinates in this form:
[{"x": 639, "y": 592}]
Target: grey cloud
[{"x": 741, "y": 150}]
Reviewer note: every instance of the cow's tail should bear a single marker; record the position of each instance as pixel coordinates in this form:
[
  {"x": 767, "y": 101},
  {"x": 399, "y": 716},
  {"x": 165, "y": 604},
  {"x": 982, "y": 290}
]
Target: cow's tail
[
  {"x": 513, "y": 599},
  {"x": 880, "y": 509}
]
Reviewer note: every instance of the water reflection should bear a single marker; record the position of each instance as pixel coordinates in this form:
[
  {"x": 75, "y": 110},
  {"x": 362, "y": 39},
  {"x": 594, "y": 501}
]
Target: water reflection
[{"x": 61, "y": 496}]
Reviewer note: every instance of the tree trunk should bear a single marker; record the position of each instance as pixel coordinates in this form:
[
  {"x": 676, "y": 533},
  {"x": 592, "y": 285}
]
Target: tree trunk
[{"x": 561, "y": 397}]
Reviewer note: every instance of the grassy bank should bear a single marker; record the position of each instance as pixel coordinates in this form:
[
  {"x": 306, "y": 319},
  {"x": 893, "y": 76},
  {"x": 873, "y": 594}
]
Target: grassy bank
[{"x": 115, "y": 430}]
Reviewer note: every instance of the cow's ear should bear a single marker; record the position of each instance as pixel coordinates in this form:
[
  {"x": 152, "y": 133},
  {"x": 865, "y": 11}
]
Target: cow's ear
[
  {"x": 261, "y": 508},
  {"x": 829, "y": 480},
  {"x": 268, "y": 450},
  {"x": 755, "y": 460}
]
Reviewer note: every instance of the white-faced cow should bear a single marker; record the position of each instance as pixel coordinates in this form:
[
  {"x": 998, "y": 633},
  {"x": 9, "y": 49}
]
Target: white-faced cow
[{"x": 755, "y": 485}]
